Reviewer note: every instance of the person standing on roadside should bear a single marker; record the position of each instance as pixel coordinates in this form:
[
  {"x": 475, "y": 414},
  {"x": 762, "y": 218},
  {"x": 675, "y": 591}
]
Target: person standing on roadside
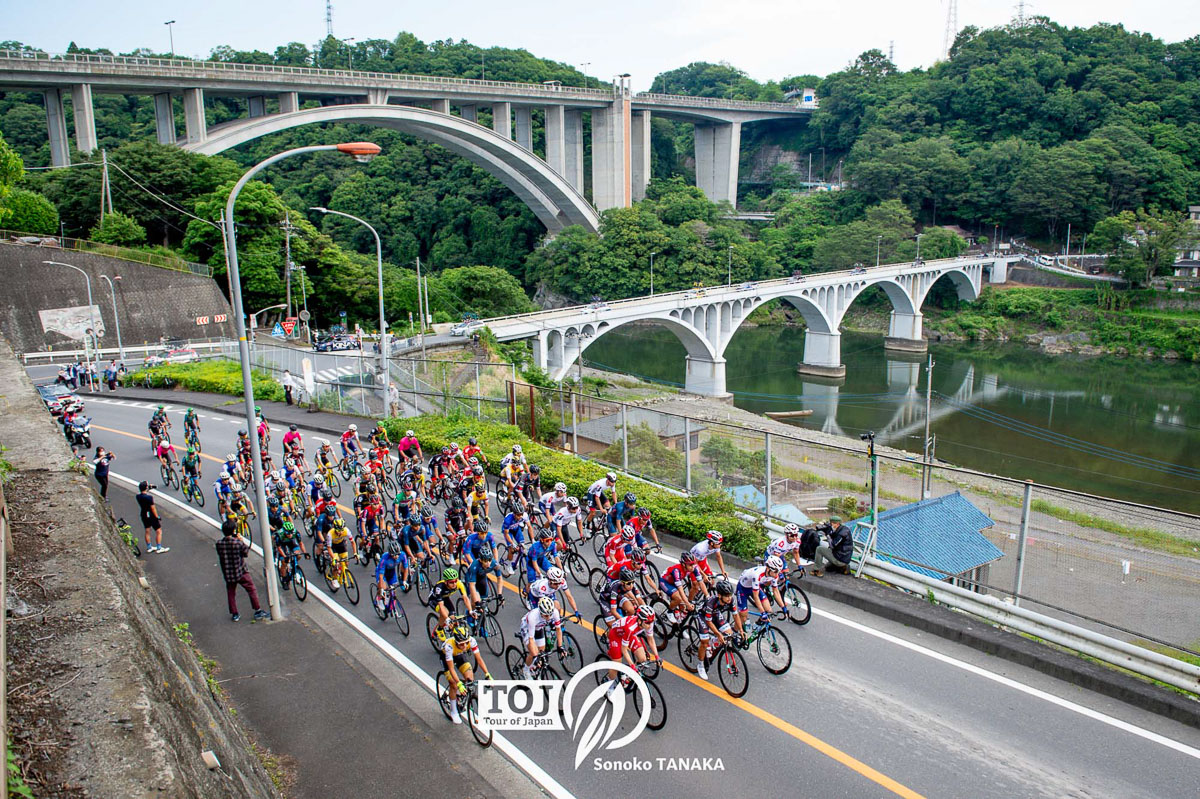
[
  {"x": 92, "y": 376},
  {"x": 101, "y": 461},
  {"x": 110, "y": 375},
  {"x": 149, "y": 513},
  {"x": 231, "y": 552},
  {"x": 288, "y": 386}
]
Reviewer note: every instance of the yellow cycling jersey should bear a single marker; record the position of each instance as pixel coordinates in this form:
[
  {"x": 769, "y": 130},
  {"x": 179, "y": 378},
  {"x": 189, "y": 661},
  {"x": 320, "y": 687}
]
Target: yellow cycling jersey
[
  {"x": 511, "y": 472},
  {"x": 452, "y": 648},
  {"x": 338, "y": 535}
]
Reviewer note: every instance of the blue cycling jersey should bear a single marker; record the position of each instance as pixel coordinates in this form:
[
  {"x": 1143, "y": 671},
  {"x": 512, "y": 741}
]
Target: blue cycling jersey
[
  {"x": 539, "y": 555},
  {"x": 514, "y": 526},
  {"x": 475, "y": 542},
  {"x": 476, "y": 571},
  {"x": 390, "y": 565}
]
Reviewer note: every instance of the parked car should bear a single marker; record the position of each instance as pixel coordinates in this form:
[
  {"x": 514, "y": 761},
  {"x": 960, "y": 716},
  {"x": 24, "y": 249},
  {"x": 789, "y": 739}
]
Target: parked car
[
  {"x": 173, "y": 356},
  {"x": 338, "y": 343},
  {"x": 467, "y": 328},
  {"x": 56, "y": 397}
]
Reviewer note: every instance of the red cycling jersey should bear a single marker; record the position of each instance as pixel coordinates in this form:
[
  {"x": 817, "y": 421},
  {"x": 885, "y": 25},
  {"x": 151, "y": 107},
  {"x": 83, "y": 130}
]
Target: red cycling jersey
[{"x": 626, "y": 631}]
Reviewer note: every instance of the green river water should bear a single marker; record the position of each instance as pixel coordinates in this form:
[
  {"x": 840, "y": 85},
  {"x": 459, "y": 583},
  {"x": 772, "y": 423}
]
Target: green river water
[{"x": 1119, "y": 427}]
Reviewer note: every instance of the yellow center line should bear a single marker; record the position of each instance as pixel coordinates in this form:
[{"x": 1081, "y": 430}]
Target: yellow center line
[{"x": 829, "y": 750}]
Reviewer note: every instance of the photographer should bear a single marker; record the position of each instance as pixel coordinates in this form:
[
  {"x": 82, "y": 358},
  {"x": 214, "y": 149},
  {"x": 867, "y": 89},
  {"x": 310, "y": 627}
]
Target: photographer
[
  {"x": 150, "y": 520},
  {"x": 838, "y": 552}
]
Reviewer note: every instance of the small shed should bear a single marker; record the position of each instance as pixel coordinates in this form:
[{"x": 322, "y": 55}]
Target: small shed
[{"x": 942, "y": 533}]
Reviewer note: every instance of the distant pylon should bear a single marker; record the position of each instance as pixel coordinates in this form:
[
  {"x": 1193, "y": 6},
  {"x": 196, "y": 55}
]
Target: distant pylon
[
  {"x": 951, "y": 28},
  {"x": 328, "y": 18},
  {"x": 892, "y": 51}
]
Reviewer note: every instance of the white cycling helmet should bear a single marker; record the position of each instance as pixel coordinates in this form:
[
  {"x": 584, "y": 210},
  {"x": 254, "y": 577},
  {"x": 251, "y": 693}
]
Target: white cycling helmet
[
  {"x": 555, "y": 576},
  {"x": 775, "y": 563},
  {"x": 516, "y": 449},
  {"x": 231, "y": 457},
  {"x": 409, "y": 433},
  {"x": 224, "y": 476},
  {"x": 791, "y": 530},
  {"x": 610, "y": 477},
  {"x": 319, "y": 480},
  {"x": 560, "y": 487},
  {"x": 353, "y": 428},
  {"x": 546, "y": 606}
]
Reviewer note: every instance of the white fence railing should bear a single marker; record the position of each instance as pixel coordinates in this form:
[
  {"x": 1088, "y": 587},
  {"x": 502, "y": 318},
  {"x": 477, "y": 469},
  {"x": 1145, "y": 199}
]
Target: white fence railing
[{"x": 113, "y": 352}]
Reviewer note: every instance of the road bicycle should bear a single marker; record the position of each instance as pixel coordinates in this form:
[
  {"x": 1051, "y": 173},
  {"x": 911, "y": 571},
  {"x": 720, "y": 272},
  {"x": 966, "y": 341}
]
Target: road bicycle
[
  {"x": 726, "y": 659},
  {"x": 331, "y": 480},
  {"x": 482, "y": 622},
  {"x": 600, "y": 631},
  {"x": 774, "y": 648},
  {"x": 170, "y": 477},
  {"x": 290, "y": 571},
  {"x": 468, "y": 707},
  {"x": 191, "y": 437},
  {"x": 794, "y": 597},
  {"x": 570, "y": 657},
  {"x": 127, "y": 536},
  {"x": 338, "y": 575},
  {"x": 390, "y": 607},
  {"x": 191, "y": 490},
  {"x": 350, "y": 467}
]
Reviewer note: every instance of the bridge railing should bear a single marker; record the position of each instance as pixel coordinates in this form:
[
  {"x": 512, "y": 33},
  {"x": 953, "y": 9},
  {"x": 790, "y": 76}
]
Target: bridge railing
[
  {"x": 149, "y": 258},
  {"x": 715, "y": 102}
]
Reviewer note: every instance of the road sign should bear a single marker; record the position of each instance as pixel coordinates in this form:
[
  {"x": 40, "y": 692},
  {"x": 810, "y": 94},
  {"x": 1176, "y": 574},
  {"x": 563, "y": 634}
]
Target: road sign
[
  {"x": 202, "y": 320},
  {"x": 342, "y": 314},
  {"x": 305, "y": 316},
  {"x": 278, "y": 331},
  {"x": 219, "y": 318},
  {"x": 288, "y": 326}
]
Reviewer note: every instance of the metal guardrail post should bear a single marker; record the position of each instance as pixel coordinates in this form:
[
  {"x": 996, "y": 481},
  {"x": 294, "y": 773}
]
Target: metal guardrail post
[
  {"x": 478, "y": 401},
  {"x": 767, "y": 458},
  {"x": 574, "y": 426},
  {"x": 687, "y": 454},
  {"x": 1025, "y": 505},
  {"x": 624, "y": 439}
]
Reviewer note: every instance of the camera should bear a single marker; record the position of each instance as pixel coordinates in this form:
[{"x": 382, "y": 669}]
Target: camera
[{"x": 868, "y": 436}]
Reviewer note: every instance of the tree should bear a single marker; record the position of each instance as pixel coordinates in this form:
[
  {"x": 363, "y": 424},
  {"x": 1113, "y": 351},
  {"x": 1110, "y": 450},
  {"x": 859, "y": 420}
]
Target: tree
[
  {"x": 11, "y": 170},
  {"x": 483, "y": 290},
  {"x": 117, "y": 228},
  {"x": 1142, "y": 243},
  {"x": 648, "y": 455},
  {"x": 29, "y": 212}
]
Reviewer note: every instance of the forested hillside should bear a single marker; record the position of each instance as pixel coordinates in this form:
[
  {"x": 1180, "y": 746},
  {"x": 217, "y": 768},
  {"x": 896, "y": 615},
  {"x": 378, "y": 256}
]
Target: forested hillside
[{"x": 1025, "y": 129}]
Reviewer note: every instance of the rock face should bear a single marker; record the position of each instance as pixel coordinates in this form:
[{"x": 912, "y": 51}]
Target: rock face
[
  {"x": 767, "y": 158},
  {"x": 548, "y": 299}
]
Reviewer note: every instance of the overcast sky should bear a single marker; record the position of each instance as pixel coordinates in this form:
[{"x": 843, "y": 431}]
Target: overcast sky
[{"x": 766, "y": 38}]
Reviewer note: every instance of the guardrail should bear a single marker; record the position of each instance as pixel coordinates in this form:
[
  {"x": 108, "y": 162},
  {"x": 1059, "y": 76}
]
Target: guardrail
[
  {"x": 112, "y": 352},
  {"x": 107, "y": 250},
  {"x": 1171, "y": 671},
  {"x": 717, "y": 102}
]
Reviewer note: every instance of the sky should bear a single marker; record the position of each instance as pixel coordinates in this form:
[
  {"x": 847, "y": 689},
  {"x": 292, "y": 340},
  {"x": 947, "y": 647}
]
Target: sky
[{"x": 768, "y": 39}]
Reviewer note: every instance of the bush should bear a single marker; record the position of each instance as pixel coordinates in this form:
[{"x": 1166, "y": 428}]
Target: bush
[
  {"x": 214, "y": 377},
  {"x": 686, "y": 517},
  {"x": 119, "y": 229},
  {"x": 31, "y": 213}
]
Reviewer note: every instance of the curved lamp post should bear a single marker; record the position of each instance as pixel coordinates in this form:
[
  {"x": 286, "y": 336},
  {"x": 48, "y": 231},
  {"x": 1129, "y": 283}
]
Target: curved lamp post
[
  {"x": 91, "y": 313},
  {"x": 362, "y": 152},
  {"x": 383, "y": 334},
  {"x": 116, "y": 319}
]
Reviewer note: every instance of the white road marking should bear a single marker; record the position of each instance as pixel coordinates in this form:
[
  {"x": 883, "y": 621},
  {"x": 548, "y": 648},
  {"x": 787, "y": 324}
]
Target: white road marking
[{"x": 507, "y": 747}]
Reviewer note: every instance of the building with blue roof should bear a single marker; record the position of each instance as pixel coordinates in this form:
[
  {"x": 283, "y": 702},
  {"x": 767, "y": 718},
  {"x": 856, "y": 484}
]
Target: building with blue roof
[
  {"x": 748, "y": 496},
  {"x": 940, "y": 537}
]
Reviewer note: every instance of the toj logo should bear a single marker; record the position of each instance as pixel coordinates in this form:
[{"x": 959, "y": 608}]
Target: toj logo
[{"x": 593, "y": 717}]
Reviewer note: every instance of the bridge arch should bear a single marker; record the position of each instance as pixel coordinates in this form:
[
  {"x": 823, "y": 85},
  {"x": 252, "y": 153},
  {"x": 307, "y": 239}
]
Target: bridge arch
[
  {"x": 968, "y": 287},
  {"x": 696, "y": 345},
  {"x": 547, "y": 193},
  {"x": 810, "y": 304}
]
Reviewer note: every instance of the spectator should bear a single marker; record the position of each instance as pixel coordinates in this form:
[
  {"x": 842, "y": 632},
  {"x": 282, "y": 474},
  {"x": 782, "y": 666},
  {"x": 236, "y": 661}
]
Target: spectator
[
  {"x": 150, "y": 520},
  {"x": 110, "y": 374},
  {"x": 92, "y": 376},
  {"x": 73, "y": 375},
  {"x": 101, "y": 461},
  {"x": 63, "y": 378},
  {"x": 840, "y": 550},
  {"x": 288, "y": 386},
  {"x": 231, "y": 552},
  {"x": 393, "y": 400}
]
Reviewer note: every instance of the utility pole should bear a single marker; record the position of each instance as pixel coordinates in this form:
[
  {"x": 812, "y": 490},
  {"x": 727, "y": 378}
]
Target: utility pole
[
  {"x": 287, "y": 258},
  {"x": 105, "y": 186},
  {"x": 420, "y": 312},
  {"x": 1068, "y": 244},
  {"x": 927, "y": 472}
]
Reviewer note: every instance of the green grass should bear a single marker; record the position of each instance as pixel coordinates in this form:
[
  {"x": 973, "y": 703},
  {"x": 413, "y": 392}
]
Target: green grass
[
  {"x": 1151, "y": 539},
  {"x": 218, "y": 376}
]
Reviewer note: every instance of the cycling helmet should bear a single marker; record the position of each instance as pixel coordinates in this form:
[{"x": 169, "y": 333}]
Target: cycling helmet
[
  {"x": 449, "y": 573},
  {"x": 473, "y": 461},
  {"x": 414, "y": 518},
  {"x": 572, "y": 503},
  {"x": 258, "y": 409},
  {"x": 775, "y": 563},
  {"x": 326, "y": 494},
  {"x": 319, "y": 480},
  {"x": 477, "y": 471},
  {"x": 626, "y": 575},
  {"x": 339, "y": 523},
  {"x": 560, "y": 487},
  {"x": 461, "y": 633},
  {"x": 628, "y": 533},
  {"x": 223, "y": 476},
  {"x": 792, "y": 530},
  {"x": 426, "y": 513},
  {"x": 610, "y": 477},
  {"x": 516, "y": 449},
  {"x": 409, "y": 433},
  {"x": 645, "y": 614},
  {"x": 273, "y": 501},
  {"x": 472, "y": 442},
  {"x": 353, "y": 428},
  {"x": 231, "y": 457},
  {"x": 643, "y": 513},
  {"x": 445, "y": 450},
  {"x": 191, "y": 410},
  {"x": 453, "y": 446},
  {"x": 687, "y": 558},
  {"x": 546, "y": 606},
  {"x": 293, "y": 428},
  {"x": 486, "y": 554},
  {"x": 480, "y": 526},
  {"x": 555, "y": 576},
  {"x": 242, "y": 433},
  {"x": 535, "y": 469},
  {"x": 715, "y": 537},
  {"x": 393, "y": 547},
  {"x": 289, "y": 463},
  {"x": 288, "y": 527},
  {"x": 191, "y": 450},
  {"x": 630, "y": 498},
  {"x": 724, "y": 587},
  {"x": 546, "y": 534},
  {"x": 637, "y": 555},
  {"x": 162, "y": 407},
  {"x": 457, "y": 503}
]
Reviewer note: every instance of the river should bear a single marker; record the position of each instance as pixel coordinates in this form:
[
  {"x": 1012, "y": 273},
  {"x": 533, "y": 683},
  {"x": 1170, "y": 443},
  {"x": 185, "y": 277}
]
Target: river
[{"x": 1120, "y": 427}]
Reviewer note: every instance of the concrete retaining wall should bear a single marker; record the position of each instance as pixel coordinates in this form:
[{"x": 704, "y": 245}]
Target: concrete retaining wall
[{"x": 152, "y": 302}]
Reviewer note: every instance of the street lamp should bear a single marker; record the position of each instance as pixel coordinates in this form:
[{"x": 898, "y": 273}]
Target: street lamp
[
  {"x": 361, "y": 151},
  {"x": 585, "y": 65},
  {"x": 254, "y": 316},
  {"x": 171, "y": 32},
  {"x": 878, "y": 243},
  {"x": 91, "y": 313},
  {"x": 652, "y": 273},
  {"x": 349, "y": 50},
  {"x": 919, "y": 235},
  {"x": 730, "y": 276},
  {"x": 383, "y": 336},
  {"x": 116, "y": 318}
]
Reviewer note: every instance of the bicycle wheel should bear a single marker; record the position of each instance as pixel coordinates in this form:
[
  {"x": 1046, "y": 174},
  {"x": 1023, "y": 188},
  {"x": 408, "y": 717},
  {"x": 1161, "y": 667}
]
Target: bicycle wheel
[
  {"x": 597, "y": 579},
  {"x": 775, "y": 651},
  {"x": 165, "y": 473},
  {"x": 351, "y": 587},
  {"x": 570, "y": 655},
  {"x": 731, "y": 669},
  {"x": 658, "y": 706},
  {"x": 798, "y": 608},
  {"x": 600, "y": 630},
  {"x": 443, "y": 693},
  {"x": 300, "y": 583},
  {"x": 197, "y": 494},
  {"x": 330, "y": 574},
  {"x": 523, "y": 589},
  {"x": 493, "y": 634},
  {"x": 514, "y": 659},
  {"x": 578, "y": 568},
  {"x": 482, "y": 735},
  {"x": 362, "y": 552},
  {"x": 401, "y": 618},
  {"x": 334, "y": 484},
  {"x": 424, "y": 583},
  {"x": 431, "y": 625},
  {"x": 688, "y": 645},
  {"x": 598, "y": 542},
  {"x": 380, "y": 610}
]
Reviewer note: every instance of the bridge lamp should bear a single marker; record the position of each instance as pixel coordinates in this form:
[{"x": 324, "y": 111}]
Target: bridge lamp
[
  {"x": 171, "y": 32},
  {"x": 652, "y": 273},
  {"x": 360, "y": 151}
]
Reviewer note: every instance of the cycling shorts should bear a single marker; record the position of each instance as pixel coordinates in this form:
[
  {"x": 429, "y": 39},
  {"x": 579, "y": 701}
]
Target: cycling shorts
[
  {"x": 706, "y": 634},
  {"x": 339, "y": 547},
  {"x": 667, "y": 588},
  {"x": 743, "y": 596},
  {"x": 596, "y": 501},
  {"x": 614, "y": 647}
]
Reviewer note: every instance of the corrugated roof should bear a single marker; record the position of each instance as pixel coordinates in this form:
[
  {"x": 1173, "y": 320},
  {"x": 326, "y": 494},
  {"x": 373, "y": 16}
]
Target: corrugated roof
[
  {"x": 748, "y": 496},
  {"x": 941, "y": 532}
]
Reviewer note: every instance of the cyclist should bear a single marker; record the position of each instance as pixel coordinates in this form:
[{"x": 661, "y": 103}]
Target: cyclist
[
  {"x": 324, "y": 526},
  {"x": 454, "y": 654},
  {"x": 243, "y": 452},
  {"x": 625, "y": 641},
  {"x": 191, "y": 424},
  {"x": 715, "y": 614},
  {"x": 191, "y": 466},
  {"x": 264, "y": 430},
  {"x": 409, "y": 448},
  {"x": 533, "y": 631},
  {"x": 509, "y": 475},
  {"x": 441, "y": 465},
  {"x": 541, "y": 556},
  {"x": 231, "y": 465},
  {"x": 561, "y": 522},
  {"x": 429, "y": 525},
  {"x": 549, "y": 586},
  {"x": 682, "y": 583},
  {"x": 293, "y": 445},
  {"x": 325, "y": 457},
  {"x": 473, "y": 450},
  {"x": 622, "y": 512},
  {"x": 529, "y": 487},
  {"x": 441, "y": 595},
  {"x": 339, "y": 534},
  {"x": 223, "y": 491},
  {"x": 350, "y": 442},
  {"x": 788, "y": 546},
  {"x": 159, "y": 422},
  {"x": 379, "y": 438},
  {"x": 619, "y": 596},
  {"x": 515, "y": 455},
  {"x": 618, "y": 547},
  {"x": 711, "y": 545},
  {"x": 456, "y": 516},
  {"x": 553, "y": 501},
  {"x": 753, "y": 584},
  {"x": 477, "y": 540},
  {"x": 478, "y": 507},
  {"x": 413, "y": 539},
  {"x": 514, "y": 529},
  {"x": 287, "y": 541},
  {"x": 478, "y": 572},
  {"x": 641, "y": 522},
  {"x": 392, "y": 570},
  {"x": 165, "y": 452},
  {"x": 597, "y": 501}
]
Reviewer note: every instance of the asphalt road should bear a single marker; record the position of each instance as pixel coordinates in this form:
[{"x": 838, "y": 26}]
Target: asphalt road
[{"x": 868, "y": 708}]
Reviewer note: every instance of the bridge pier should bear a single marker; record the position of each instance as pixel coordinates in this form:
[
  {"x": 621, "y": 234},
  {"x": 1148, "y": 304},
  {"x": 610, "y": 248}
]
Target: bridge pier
[
  {"x": 193, "y": 116},
  {"x": 610, "y": 156},
  {"x": 998, "y": 272},
  {"x": 524, "y": 115},
  {"x": 822, "y": 355},
  {"x": 257, "y": 106},
  {"x": 468, "y": 113},
  {"x": 541, "y": 354},
  {"x": 639, "y": 147},
  {"x": 85, "y": 117},
  {"x": 502, "y": 119},
  {"x": 56, "y": 125},
  {"x": 377, "y": 96},
  {"x": 556, "y": 155},
  {"x": 164, "y": 118},
  {"x": 289, "y": 102},
  {"x": 904, "y": 333},
  {"x": 705, "y": 377},
  {"x": 441, "y": 106},
  {"x": 717, "y": 150},
  {"x": 573, "y": 147}
]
